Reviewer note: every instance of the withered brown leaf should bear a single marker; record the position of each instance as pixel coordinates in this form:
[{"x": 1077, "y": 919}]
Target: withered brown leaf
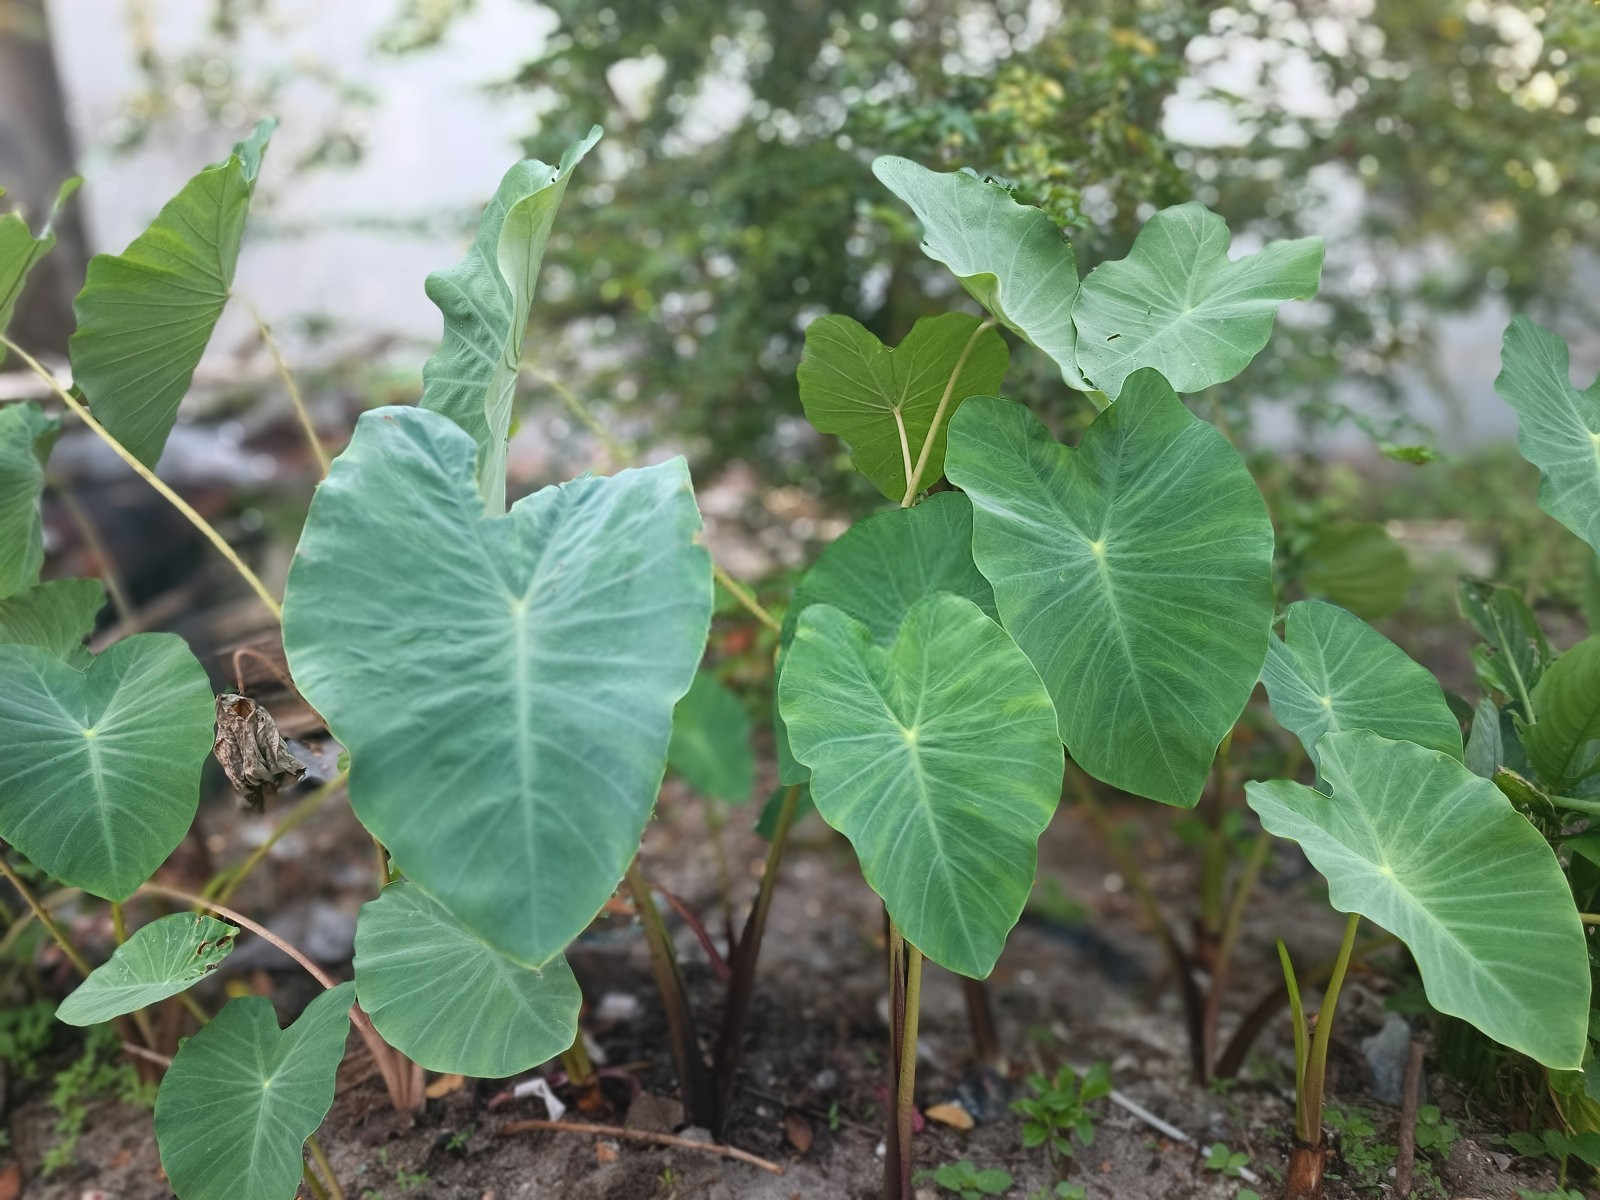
[{"x": 251, "y": 750}]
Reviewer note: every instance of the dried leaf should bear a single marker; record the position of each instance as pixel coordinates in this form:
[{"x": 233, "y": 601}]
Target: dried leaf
[
  {"x": 951, "y": 1114},
  {"x": 251, "y": 750},
  {"x": 444, "y": 1085},
  {"x": 798, "y": 1130}
]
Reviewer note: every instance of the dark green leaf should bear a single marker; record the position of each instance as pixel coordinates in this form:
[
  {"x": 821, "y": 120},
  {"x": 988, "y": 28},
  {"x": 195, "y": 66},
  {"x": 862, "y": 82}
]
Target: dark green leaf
[
  {"x": 1515, "y": 652},
  {"x": 883, "y": 402},
  {"x": 56, "y": 617},
  {"x": 26, "y": 436},
  {"x": 20, "y": 250},
  {"x": 1359, "y": 567},
  {"x": 1564, "y": 744},
  {"x": 710, "y": 744}
]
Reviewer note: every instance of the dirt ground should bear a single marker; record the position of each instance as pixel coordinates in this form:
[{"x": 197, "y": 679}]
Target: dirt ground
[{"x": 1084, "y": 983}]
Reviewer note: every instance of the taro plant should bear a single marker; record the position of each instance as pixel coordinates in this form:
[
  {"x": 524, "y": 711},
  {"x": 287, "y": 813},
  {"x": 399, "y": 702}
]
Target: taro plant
[
  {"x": 1113, "y": 598},
  {"x": 1447, "y": 847},
  {"x": 504, "y": 680}
]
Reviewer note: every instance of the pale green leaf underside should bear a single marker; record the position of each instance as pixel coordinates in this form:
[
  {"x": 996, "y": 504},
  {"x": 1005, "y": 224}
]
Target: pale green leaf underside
[
  {"x": 26, "y": 436},
  {"x": 710, "y": 744},
  {"x": 883, "y": 401},
  {"x": 161, "y": 959},
  {"x": 55, "y": 616},
  {"x": 242, "y": 1097},
  {"x": 485, "y": 300},
  {"x": 504, "y": 685},
  {"x": 1010, "y": 257},
  {"x": 1558, "y": 427},
  {"x": 145, "y": 315},
  {"x": 1564, "y": 745},
  {"x": 1420, "y": 845},
  {"x": 446, "y": 999},
  {"x": 1332, "y": 671},
  {"x": 21, "y": 250},
  {"x": 100, "y": 768},
  {"x": 1176, "y": 302},
  {"x": 1135, "y": 572},
  {"x": 937, "y": 757},
  {"x": 878, "y": 568}
]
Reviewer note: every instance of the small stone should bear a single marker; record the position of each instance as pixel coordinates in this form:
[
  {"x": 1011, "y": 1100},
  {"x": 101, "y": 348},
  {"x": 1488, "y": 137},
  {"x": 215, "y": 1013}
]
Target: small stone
[
  {"x": 696, "y": 1133},
  {"x": 606, "y": 1152},
  {"x": 798, "y": 1130},
  {"x": 1386, "y": 1053},
  {"x": 825, "y": 1080},
  {"x": 617, "y": 1008},
  {"x": 654, "y": 1114},
  {"x": 951, "y": 1114}
]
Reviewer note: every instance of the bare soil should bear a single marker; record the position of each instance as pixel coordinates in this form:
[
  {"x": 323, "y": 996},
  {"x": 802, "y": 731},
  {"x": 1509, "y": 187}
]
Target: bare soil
[{"x": 1077, "y": 991}]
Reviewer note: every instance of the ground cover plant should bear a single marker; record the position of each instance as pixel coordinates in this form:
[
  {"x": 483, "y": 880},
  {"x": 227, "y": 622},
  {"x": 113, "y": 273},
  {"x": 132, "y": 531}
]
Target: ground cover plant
[{"x": 511, "y": 681}]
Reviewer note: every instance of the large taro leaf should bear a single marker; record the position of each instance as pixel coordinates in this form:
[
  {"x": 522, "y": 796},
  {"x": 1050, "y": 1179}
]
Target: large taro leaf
[
  {"x": 145, "y": 315},
  {"x": 1414, "y": 841},
  {"x": 448, "y": 1000},
  {"x": 26, "y": 436},
  {"x": 161, "y": 959},
  {"x": 1010, "y": 257},
  {"x": 710, "y": 744},
  {"x": 1564, "y": 744},
  {"x": 242, "y": 1096},
  {"x": 1558, "y": 427},
  {"x": 878, "y": 569},
  {"x": 1332, "y": 671},
  {"x": 100, "y": 768},
  {"x": 485, "y": 299},
  {"x": 55, "y": 616},
  {"x": 21, "y": 249},
  {"x": 1135, "y": 572},
  {"x": 1514, "y": 652},
  {"x": 937, "y": 757},
  {"x": 504, "y": 685},
  {"x": 883, "y": 402},
  {"x": 1176, "y": 302}
]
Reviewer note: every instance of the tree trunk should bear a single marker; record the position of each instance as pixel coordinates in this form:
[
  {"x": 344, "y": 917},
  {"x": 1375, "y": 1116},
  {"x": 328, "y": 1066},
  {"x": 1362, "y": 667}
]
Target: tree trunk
[{"x": 36, "y": 154}]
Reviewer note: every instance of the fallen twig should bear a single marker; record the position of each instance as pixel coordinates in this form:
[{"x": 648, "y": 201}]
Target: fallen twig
[
  {"x": 1170, "y": 1130},
  {"x": 1406, "y": 1155},
  {"x": 642, "y": 1135},
  {"x": 161, "y": 1060}
]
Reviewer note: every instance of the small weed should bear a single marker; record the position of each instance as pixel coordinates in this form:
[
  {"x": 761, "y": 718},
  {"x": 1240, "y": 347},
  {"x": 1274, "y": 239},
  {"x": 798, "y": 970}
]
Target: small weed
[
  {"x": 1057, "y": 1115},
  {"x": 1228, "y": 1162},
  {"x": 25, "y": 1032},
  {"x": 1434, "y": 1131},
  {"x": 967, "y": 1181},
  {"x": 457, "y": 1143},
  {"x": 96, "y": 1073},
  {"x": 1062, "y": 1191}
]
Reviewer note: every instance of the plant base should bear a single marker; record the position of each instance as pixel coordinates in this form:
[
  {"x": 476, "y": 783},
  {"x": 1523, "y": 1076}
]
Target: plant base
[{"x": 1304, "y": 1180}]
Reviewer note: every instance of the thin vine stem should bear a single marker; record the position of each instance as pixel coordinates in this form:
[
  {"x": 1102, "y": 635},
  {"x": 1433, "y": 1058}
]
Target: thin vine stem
[
  {"x": 914, "y": 479},
  {"x": 905, "y": 1088},
  {"x": 320, "y": 1157},
  {"x": 301, "y": 412},
  {"x": 178, "y": 502},
  {"x": 238, "y": 918},
  {"x": 44, "y": 918},
  {"x": 228, "y": 881}
]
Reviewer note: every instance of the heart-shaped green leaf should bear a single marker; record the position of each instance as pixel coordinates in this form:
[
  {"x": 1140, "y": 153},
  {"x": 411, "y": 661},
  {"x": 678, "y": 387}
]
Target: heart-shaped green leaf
[
  {"x": 1177, "y": 303},
  {"x": 56, "y": 616},
  {"x": 1010, "y": 257},
  {"x": 26, "y": 436},
  {"x": 504, "y": 685},
  {"x": 1333, "y": 671},
  {"x": 1415, "y": 842},
  {"x": 878, "y": 568},
  {"x": 1558, "y": 427},
  {"x": 448, "y": 1000},
  {"x": 1135, "y": 571},
  {"x": 20, "y": 250},
  {"x": 1564, "y": 744},
  {"x": 485, "y": 299},
  {"x": 242, "y": 1096},
  {"x": 883, "y": 402},
  {"x": 145, "y": 315},
  {"x": 161, "y": 959},
  {"x": 1357, "y": 566},
  {"x": 710, "y": 744},
  {"x": 937, "y": 757},
  {"x": 100, "y": 768}
]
